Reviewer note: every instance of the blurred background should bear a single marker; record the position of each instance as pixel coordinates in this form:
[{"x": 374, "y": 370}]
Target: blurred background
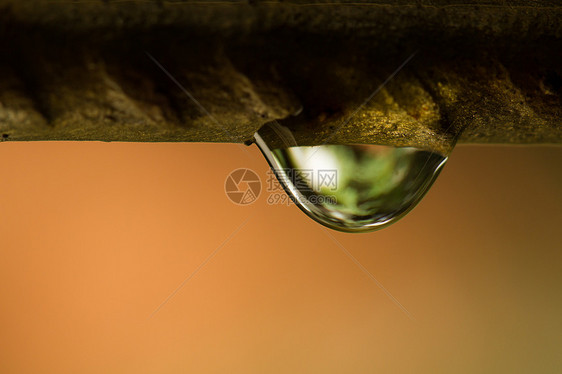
[{"x": 99, "y": 243}]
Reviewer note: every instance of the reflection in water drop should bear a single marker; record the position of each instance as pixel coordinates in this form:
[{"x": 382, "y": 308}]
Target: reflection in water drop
[{"x": 353, "y": 188}]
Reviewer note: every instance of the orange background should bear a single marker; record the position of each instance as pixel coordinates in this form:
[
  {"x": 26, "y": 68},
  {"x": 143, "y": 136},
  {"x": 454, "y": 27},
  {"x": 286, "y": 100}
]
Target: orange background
[{"x": 94, "y": 237}]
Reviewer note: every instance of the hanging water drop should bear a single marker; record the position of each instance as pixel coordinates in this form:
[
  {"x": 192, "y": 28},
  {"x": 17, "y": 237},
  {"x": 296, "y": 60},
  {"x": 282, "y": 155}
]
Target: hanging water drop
[{"x": 351, "y": 188}]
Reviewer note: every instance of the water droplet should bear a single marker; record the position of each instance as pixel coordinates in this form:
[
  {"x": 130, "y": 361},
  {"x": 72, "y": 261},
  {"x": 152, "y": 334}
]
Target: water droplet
[{"x": 351, "y": 188}]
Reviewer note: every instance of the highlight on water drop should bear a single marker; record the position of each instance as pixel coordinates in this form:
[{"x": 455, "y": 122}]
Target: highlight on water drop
[{"x": 351, "y": 188}]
